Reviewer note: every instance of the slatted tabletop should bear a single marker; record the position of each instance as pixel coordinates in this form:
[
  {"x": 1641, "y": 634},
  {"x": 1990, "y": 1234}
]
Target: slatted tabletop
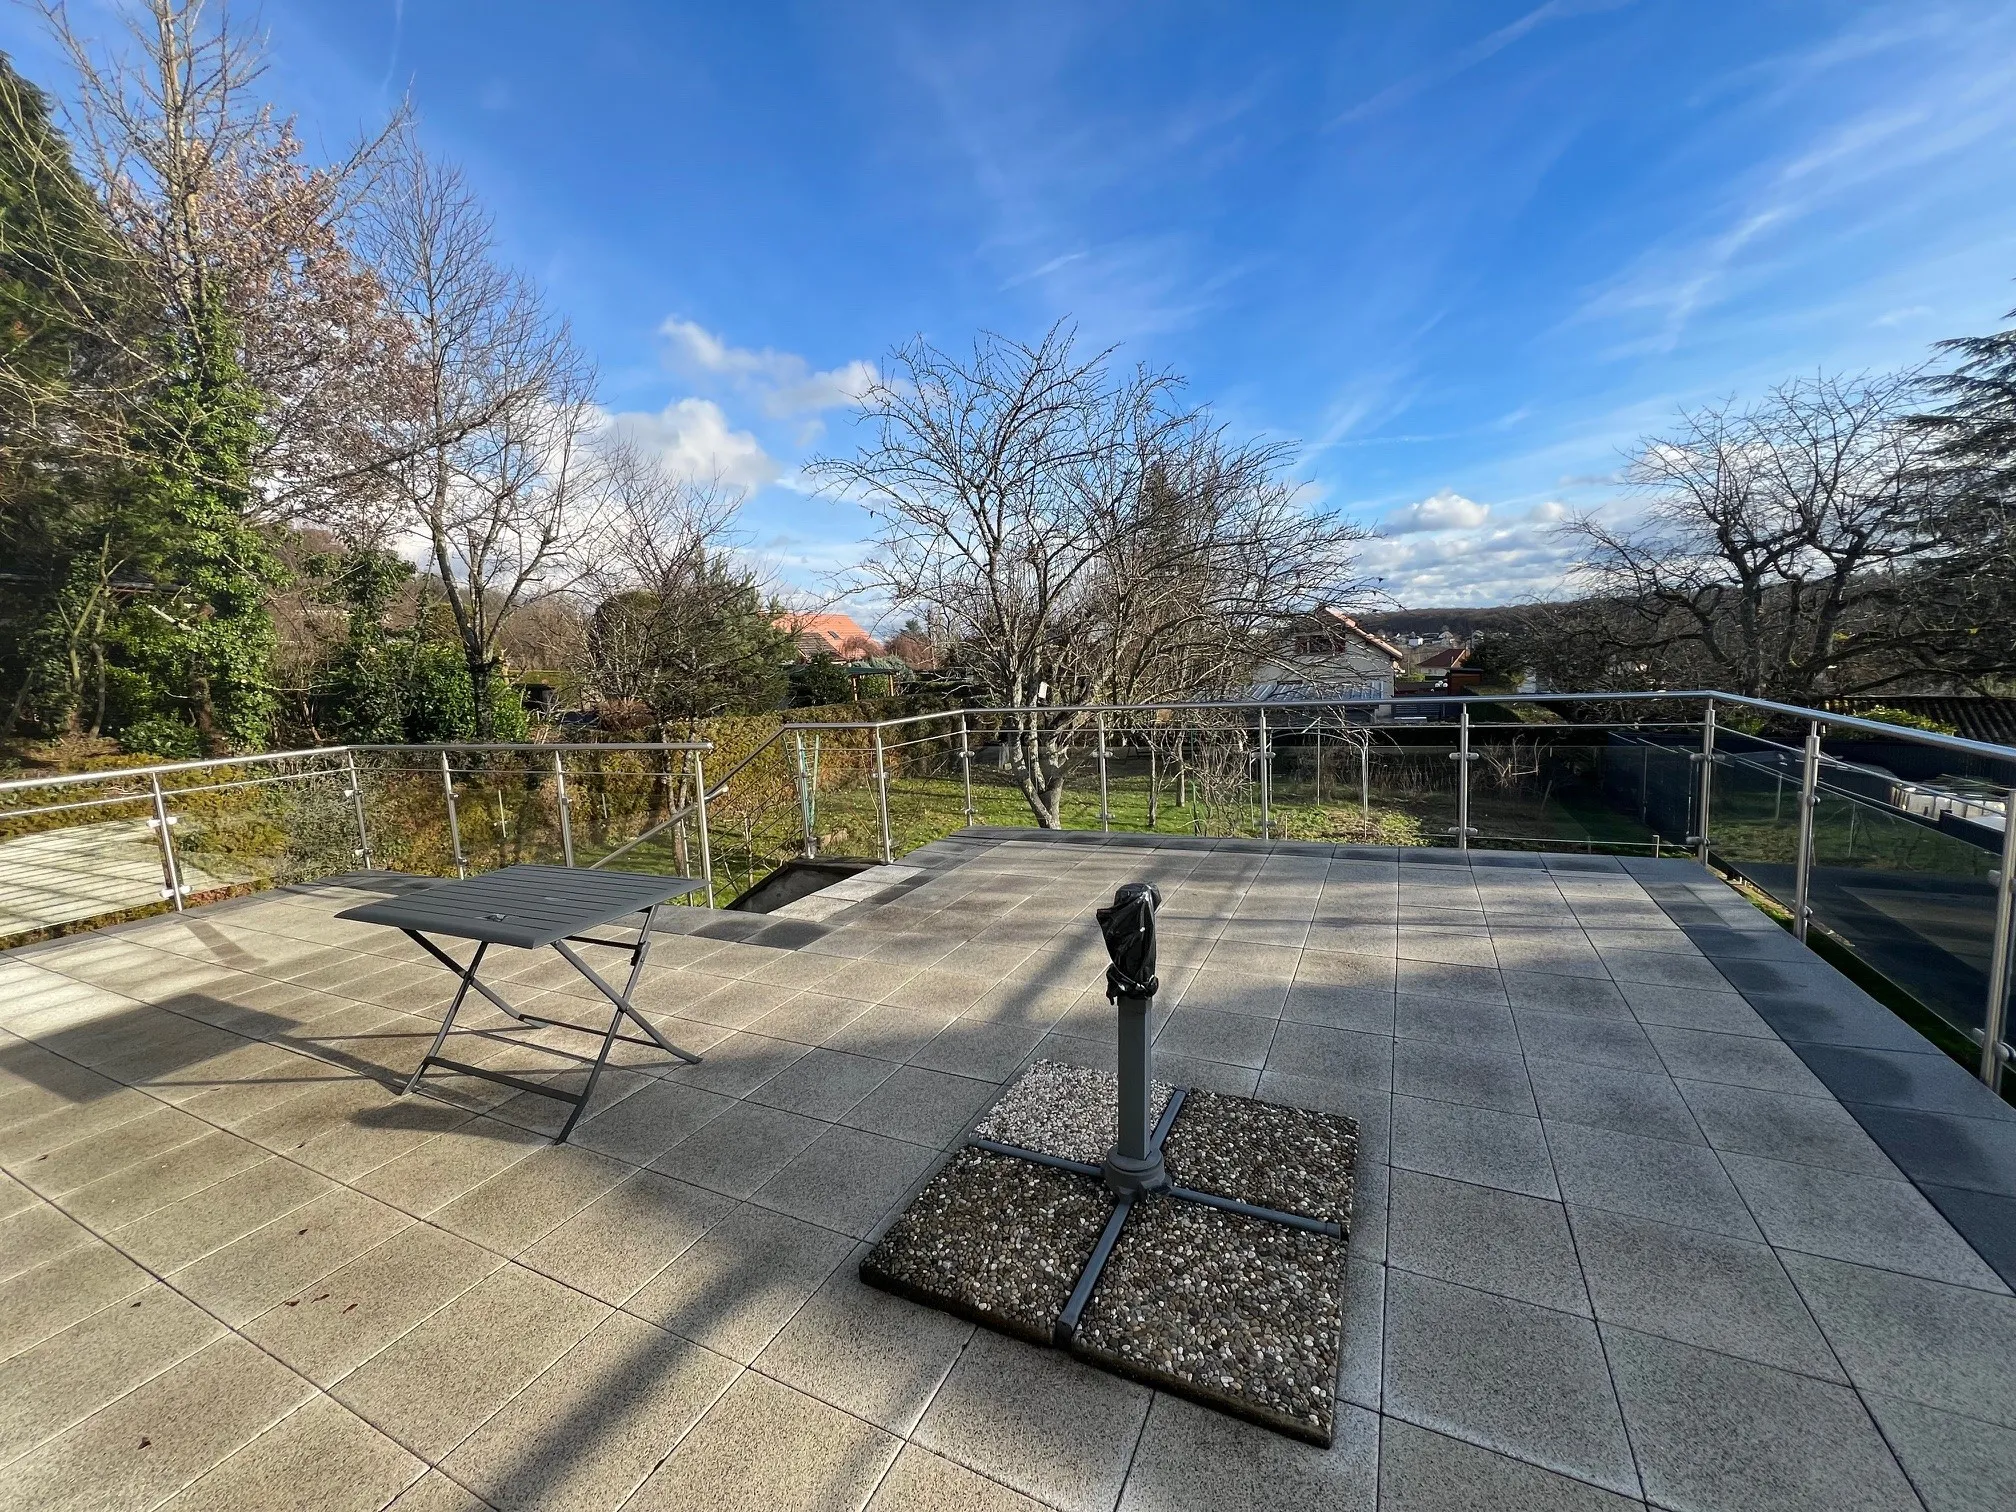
[{"x": 526, "y": 906}]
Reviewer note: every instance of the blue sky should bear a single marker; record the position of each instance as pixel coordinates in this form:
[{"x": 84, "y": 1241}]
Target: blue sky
[{"x": 1462, "y": 253}]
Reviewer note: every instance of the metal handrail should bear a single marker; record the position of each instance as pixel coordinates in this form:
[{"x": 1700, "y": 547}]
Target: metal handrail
[{"x": 161, "y": 769}]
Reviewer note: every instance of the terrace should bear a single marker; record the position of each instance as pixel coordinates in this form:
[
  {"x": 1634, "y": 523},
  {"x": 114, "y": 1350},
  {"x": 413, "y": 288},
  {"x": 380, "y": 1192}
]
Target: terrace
[{"x": 1655, "y": 1207}]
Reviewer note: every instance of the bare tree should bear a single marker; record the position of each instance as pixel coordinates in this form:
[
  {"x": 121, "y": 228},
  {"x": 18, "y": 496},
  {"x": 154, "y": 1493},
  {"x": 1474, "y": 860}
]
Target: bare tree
[
  {"x": 1785, "y": 549},
  {"x": 1083, "y": 535},
  {"x": 684, "y": 625},
  {"x": 484, "y": 448}
]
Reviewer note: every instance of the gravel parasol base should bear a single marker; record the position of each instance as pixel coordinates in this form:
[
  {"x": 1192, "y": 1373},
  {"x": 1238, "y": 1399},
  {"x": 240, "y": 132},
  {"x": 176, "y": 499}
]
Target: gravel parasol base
[{"x": 1238, "y": 1310}]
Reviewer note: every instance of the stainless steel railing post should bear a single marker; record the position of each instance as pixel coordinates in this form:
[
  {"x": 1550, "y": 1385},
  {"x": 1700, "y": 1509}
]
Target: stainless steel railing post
[
  {"x": 966, "y": 769},
  {"x": 454, "y": 820},
  {"x": 356, "y": 797},
  {"x": 700, "y": 817},
  {"x": 802, "y": 778},
  {"x": 171, "y": 873},
  {"x": 1106, "y": 813},
  {"x": 566, "y": 819},
  {"x": 1707, "y": 797},
  {"x": 1809, "y": 798},
  {"x": 1995, "y": 1020},
  {"x": 882, "y": 796},
  {"x": 1266, "y": 783},
  {"x": 1463, "y": 759}
]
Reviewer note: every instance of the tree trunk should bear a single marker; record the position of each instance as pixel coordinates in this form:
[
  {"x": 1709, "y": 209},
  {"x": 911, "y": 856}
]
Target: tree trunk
[
  {"x": 205, "y": 711},
  {"x": 480, "y": 673}
]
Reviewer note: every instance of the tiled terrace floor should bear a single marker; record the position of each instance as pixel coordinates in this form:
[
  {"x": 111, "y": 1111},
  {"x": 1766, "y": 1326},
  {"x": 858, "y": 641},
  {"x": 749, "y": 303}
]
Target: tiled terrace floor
[{"x": 1616, "y": 1241}]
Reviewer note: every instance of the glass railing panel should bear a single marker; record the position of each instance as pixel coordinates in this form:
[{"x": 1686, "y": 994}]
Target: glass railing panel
[
  {"x": 259, "y": 824},
  {"x": 1915, "y": 902},
  {"x": 1753, "y": 818},
  {"x": 70, "y": 855}
]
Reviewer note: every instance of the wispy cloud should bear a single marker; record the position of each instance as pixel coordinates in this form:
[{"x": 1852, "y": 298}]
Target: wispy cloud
[
  {"x": 1466, "y": 58},
  {"x": 784, "y": 383},
  {"x": 1941, "y": 96}
]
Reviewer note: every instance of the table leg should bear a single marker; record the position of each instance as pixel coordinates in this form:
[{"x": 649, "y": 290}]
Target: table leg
[
  {"x": 453, "y": 965},
  {"x": 455, "y": 1007}
]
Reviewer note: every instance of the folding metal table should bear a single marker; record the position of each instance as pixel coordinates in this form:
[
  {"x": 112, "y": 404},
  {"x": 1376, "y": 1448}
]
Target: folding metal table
[{"x": 532, "y": 907}]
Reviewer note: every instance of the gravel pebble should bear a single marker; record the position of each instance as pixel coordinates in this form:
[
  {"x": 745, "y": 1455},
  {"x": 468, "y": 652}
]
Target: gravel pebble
[
  {"x": 1290, "y": 1159},
  {"x": 1061, "y": 1110},
  {"x": 996, "y": 1239},
  {"x": 1238, "y": 1312}
]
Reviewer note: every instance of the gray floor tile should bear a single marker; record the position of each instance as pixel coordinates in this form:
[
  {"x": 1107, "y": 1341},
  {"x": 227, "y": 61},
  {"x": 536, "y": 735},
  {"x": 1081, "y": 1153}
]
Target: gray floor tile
[
  {"x": 846, "y": 1179},
  {"x": 1551, "y": 993},
  {"x": 737, "y": 1286},
  {"x": 1235, "y": 992},
  {"x": 1038, "y": 1421},
  {"x": 739, "y": 1064},
  {"x": 158, "y": 1438},
  {"x": 765, "y": 1445},
  {"x": 289, "y": 1465},
  {"x": 1524, "y": 1380},
  {"x": 925, "y": 1107},
  {"x": 71, "y": 1374},
  {"x": 1694, "y": 1008},
  {"x": 1191, "y": 1457},
  {"x": 627, "y": 1235},
  {"x": 739, "y": 1151},
  {"x": 1483, "y": 1237},
  {"x": 1616, "y": 1043},
  {"x": 1368, "y": 1010},
  {"x": 1249, "y": 959},
  {"x": 1420, "y": 1471},
  {"x": 596, "y": 1423},
  {"x": 650, "y": 1121},
  {"x": 1651, "y": 1178},
  {"x": 1663, "y": 968},
  {"x": 1362, "y": 1060},
  {"x": 1452, "y": 1021},
  {"x": 1371, "y": 971},
  {"x": 531, "y": 1198},
  {"x": 1713, "y": 1432},
  {"x": 1958, "y": 1464},
  {"x": 1861, "y": 1218},
  {"x": 921, "y": 1481},
  {"x": 866, "y": 1352},
  {"x": 437, "y": 1382},
  {"x": 1459, "y": 1073},
  {"x": 1630, "y": 1102},
  {"x": 1806, "y": 1130},
  {"x": 1942, "y": 1346},
  {"x": 1721, "y": 1293},
  {"x": 1361, "y": 1360},
  {"x": 1439, "y": 979},
  {"x": 1477, "y": 1145},
  {"x": 249, "y": 1275},
  {"x": 1236, "y": 1039},
  {"x": 1733, "y": 1059},
  {"x": 823, "y": 1084},
  {"x": 337, "y": 1321},
  {"x": 976, "y": 1048},
  {"x": 890, "y": 1033}
]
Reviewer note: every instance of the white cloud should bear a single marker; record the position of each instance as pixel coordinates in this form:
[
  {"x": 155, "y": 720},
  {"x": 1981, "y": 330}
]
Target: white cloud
[
  {"x": 785, "y": 383},
  {"x": 1474, "y": 559},
  {"x": 693, "y": 438},
  {"x": 1447, "y": 510}
]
